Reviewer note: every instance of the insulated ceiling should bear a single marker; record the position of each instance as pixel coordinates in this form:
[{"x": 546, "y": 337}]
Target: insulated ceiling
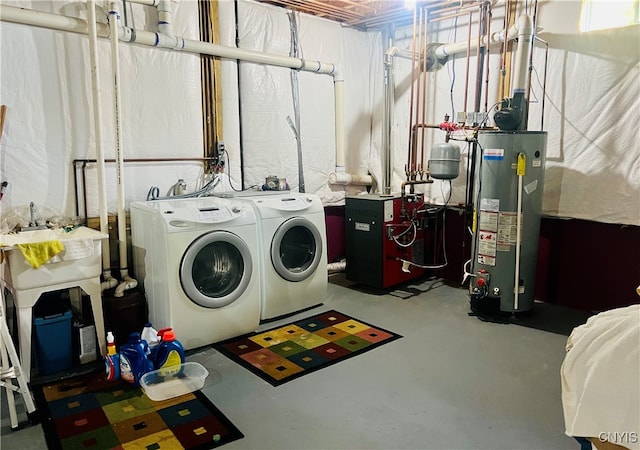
[{"x": 363, "y": 14}]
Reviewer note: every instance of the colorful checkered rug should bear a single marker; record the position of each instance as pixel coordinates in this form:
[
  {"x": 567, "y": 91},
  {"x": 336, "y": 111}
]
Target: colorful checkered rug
[
  {"x": 288, "y": 352},
  {"x": 89, "y": 412}
]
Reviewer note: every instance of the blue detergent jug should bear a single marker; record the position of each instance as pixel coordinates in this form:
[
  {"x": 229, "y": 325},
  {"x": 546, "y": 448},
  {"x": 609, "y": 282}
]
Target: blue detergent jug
[
  {"x": 170, "y": 355},
  {"x": 134, "y": 359}
]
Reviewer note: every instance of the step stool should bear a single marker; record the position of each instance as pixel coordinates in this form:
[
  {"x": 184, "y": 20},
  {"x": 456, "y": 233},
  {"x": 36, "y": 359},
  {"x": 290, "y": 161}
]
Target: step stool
[{"x": 10, "y": 369}]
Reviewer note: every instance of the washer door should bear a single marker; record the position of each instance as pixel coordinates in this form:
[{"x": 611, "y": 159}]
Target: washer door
[
  {"x": 296, "y": 249},
  {"x": 216, "y": 269}
]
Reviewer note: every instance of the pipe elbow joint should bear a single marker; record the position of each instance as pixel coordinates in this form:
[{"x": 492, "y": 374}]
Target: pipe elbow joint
[
  {"x": 127, "y": 284},
  {"x": 108, "y": 283},
  {"x": 525, "y": 25}
]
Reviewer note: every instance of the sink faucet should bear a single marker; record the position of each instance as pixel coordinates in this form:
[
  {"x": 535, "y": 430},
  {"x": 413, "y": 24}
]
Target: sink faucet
[
  {"x": 33, "y": 213},
  {"x": 33, "y": 222}
]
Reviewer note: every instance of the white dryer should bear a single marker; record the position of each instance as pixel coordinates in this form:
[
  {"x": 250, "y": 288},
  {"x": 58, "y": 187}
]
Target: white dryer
[
  {"x": 293, "y": 250},
  {"x": 198, "y": 262}
]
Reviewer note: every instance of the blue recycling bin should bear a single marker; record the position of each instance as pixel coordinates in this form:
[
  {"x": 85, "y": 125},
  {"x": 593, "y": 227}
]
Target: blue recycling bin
[{"x": 53, "y": 342}]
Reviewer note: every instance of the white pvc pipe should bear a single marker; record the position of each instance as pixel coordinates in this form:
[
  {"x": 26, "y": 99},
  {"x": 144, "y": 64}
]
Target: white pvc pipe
[
  {"x": 336, "y": 266},
  {"x": 516, "y": 289},
  {"x": 108, "y": 280},
  {"x": 446, "y": 50},
  {"x": 350, "y": 178},
  {"x": 64, "y": 23},
  {"x": 114, "y": 16},
  {"x": 165, "y": 18},
  {"x": 146, "y": 2},
  {"x": 338, "y": 88},
  {"x": 74, "y": 25},
  {"x": 523, "y": 53}
]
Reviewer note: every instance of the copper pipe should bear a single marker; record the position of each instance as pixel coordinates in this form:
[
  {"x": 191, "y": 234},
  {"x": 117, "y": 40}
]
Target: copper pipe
[
  {"x": 488, "y": 16},
  {"x": 84, "y": 163},
  {"x": 413, "y": 59},
  {"x": 322, "y": 8},
  {"x": 477, "y": 98},
  {"x": 451, "y": 16},
  {"x": 503, "y": 51},
  {"x": 412, "y": 184},
  {"x": 462, "y": 128},
  {"x": 151, "y": 160},
  {"x": 414, "y": 148},
  {"x": 461, "y": 9},
  {"x": 466, "y": 77},
  {"x": 424, "y": 87}
]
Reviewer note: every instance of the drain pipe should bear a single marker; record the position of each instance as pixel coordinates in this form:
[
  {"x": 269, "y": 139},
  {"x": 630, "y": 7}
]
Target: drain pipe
[
  {"x": 75, "y": 25},
  {"x": 108, "y": 280},
  {"x": 127, "y": 282}
]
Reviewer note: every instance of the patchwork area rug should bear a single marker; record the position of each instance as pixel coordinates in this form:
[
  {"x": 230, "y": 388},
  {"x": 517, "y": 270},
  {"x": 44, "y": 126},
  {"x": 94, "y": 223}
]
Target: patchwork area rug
[
  {"x": 287, "y": 352},
  {"x": 89, "y": 412}
]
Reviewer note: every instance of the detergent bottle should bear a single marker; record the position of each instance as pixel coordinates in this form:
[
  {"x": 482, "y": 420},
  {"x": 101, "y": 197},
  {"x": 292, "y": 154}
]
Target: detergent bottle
[
  {"x": 134, "y": 361},
  {"x": 150, "y": 335},
  {"x": 112, "y": 359},
  {"x": 170, "y": 355}
]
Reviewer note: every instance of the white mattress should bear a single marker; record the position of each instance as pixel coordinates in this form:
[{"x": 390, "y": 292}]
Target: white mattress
[{"x": 601, "y": 378}]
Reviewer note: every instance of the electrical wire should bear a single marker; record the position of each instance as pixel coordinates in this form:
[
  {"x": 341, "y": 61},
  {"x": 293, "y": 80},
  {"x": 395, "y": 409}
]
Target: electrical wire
[
  {"x": 154, "y": 191},
  {"x": 413, "y": 238},
  {"x": 229, "y": 166},
  {"x": 452, "y": 74}
]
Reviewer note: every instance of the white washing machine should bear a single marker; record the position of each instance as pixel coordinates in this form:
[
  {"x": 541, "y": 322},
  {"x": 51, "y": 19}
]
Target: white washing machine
[
  {"x": 293, "y": 250},
  {"x": 198, "y": 262}
]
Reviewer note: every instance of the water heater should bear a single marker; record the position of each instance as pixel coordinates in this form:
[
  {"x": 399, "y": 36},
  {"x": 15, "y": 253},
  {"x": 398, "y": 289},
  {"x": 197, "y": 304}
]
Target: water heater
[{"x": 507, "y": 220}]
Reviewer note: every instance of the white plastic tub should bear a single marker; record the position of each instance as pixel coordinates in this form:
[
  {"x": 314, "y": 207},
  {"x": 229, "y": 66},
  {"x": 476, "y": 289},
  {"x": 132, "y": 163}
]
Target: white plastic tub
[
  {"x": 189, "y": 378},
  {"x": 82, "y": 266}
]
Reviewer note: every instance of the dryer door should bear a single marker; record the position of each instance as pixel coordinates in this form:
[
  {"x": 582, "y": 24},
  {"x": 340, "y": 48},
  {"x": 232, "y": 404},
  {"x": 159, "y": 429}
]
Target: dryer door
[
  {"x": 296, "y": 249},
  {"x": 216, "y": 269}
]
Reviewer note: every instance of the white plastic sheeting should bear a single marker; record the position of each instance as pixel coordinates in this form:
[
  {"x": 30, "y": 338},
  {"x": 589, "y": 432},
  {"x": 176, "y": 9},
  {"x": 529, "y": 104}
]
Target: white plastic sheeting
[
  {"x": 46, "y": 85},
  {"x": 269, "y": 143},
  {"x": 592, "y": 113}
]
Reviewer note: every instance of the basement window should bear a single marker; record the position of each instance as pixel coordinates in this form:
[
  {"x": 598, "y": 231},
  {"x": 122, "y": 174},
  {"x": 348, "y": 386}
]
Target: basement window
[{"x": 606, "y": 14}]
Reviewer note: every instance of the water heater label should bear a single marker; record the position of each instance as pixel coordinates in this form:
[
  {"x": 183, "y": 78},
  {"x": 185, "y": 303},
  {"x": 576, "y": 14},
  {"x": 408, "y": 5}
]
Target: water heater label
[
  {"x": 490, "y": 204},
  {"x": 507, "y": 228},
  {"x": 487, "y": 243},
  {"x": 488, "y": 221},
  {"x": 362, "y": 226},
  {"x": 486, "y": 260},
  {"x": 494, "y": 153}
]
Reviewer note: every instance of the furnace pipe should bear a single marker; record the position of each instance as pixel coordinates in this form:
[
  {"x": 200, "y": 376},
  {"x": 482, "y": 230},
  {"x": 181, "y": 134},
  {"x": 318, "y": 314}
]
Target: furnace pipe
[
  {"x": 523, "y": 54},
  {"x": 445, "y": 51}
]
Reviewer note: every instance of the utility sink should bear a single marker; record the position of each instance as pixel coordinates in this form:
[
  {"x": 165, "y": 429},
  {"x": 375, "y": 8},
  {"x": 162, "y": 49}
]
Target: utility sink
[{"x": 80, "y": 260}]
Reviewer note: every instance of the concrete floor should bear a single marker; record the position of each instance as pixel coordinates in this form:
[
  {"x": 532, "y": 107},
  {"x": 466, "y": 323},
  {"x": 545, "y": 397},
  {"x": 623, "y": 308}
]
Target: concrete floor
[{"x": 452, "y": 382}]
